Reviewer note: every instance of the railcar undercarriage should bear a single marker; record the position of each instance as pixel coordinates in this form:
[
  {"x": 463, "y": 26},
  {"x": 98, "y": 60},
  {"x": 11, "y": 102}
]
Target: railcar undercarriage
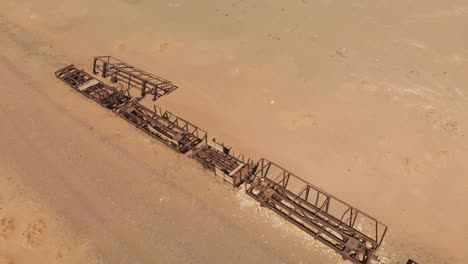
[
  {"x": 131, "y": 76},
  {"x": 107, "y": 96},
  {"x": 350, "y": 232},
  {"x": 347, "y": 230},
  {"x": 168, "y": 128},
  {"x": 223, "y": 162}
]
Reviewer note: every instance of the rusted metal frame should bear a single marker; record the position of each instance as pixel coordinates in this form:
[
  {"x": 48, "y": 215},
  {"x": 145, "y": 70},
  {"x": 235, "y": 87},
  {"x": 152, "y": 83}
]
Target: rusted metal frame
[
  {"x": 353, "y": 243},
  {"x": 284, "y": 175},
  {"x": 326, "y": 202},
  {"x": 116, "y": 99},
  {"x": 292, "y": 210},
  {"x": 312, "y": 225},
  {"x": 182, "y": 123},
  {"x": 325, "y": 208},
  {"x": 98, "y": 92},
  {"x": 91, "y": 87},
  {"x": 108, "y": 97},
  {"x": 156, "y": 125},
  {"x": 219, "y": 159},
  {"x": 108, "y": 64},
  {"x": 228, "y": 150},
  {"x": 146, "y": 123},
  {"x": 132, "y": 76},
  {"x": 352, "y": 218},
  {"x": 73, "y": 76},
  {"x": 293, "y": 198},
  {"x": 336, "y": 231},
  {"x": 200, "y": 155},
  {"x": 134, "y": 80},
  {"x": 339, "y": 221},
  {"x": 116, "y": 62},
  {"x": 329, "y": 197}
]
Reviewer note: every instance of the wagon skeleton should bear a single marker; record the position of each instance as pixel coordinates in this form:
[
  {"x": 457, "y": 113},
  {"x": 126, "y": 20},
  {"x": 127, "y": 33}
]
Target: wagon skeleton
[{"x": 353, "y": 234}]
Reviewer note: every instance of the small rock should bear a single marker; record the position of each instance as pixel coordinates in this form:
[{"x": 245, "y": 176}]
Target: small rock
[
  {"x": 413, "y": 74},
  {"x": 163, "y": 199},
  {"x": 343, "y": 52}
]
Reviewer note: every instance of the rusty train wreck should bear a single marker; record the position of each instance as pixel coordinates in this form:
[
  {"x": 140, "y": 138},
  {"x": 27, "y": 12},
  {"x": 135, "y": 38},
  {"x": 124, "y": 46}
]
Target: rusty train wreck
[
  {"x": 168, "y": 128},
  {"x": 347, "y": 230},
  {"x": 124, "y": 73},
  {"x": 223, "y": 162},
  {"x": 356, "y": 236},
  {"x": 107, "y": 96}
]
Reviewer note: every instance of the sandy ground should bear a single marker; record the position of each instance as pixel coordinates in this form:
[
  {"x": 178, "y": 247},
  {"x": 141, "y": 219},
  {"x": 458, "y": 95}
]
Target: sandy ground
[{"x": 366, "y": 100}]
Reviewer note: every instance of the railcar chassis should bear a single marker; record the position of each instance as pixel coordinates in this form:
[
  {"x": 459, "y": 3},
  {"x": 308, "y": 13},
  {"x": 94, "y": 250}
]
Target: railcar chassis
[
  {"x": 166, "y": 127},
  {"x": 223, "y": 162},
  {"x": 131, "y": 76},
  {"x": 107, "y": 96},
  {"x": 350, "y": 232}
]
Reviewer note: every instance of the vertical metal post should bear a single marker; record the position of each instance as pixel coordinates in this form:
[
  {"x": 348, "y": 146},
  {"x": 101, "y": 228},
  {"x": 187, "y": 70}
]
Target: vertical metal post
[
  {"x": 104, "y": 70},
  {"x": 143, "y": 89},
  {"x": 94, "y": 66},
  {"x": 155, "y": 92}
]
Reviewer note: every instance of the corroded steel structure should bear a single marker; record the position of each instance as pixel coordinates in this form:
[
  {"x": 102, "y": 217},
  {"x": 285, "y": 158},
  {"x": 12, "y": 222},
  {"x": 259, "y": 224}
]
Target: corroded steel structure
[
  {"x": 168, "y": 128},
  {"x": 131, "y": 76},
  {"x": 105, "y": 95},
  {"x": 223, "y": 162},
  {"x": 347, "y": 230},
  {"x": 350, "y": 232}
]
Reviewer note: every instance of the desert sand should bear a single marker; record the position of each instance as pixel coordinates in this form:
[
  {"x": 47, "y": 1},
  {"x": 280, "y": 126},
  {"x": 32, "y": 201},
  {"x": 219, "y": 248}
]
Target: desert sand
[{"x": 366, "y": 100}]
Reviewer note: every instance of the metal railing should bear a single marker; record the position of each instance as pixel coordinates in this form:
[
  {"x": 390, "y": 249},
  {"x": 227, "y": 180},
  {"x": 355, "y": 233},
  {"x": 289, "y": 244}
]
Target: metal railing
[
  {"x": 131, "y": 76},
  {"x": 349, "y": 231}
]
